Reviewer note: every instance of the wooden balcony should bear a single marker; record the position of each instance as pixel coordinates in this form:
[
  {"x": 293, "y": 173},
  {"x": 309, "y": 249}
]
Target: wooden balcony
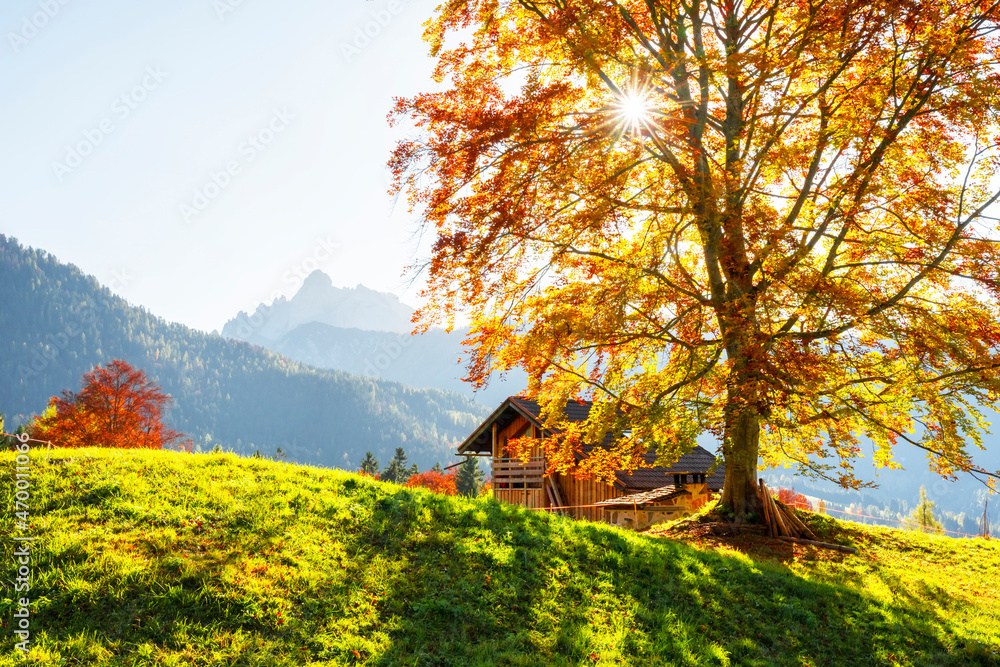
[{"x": 513, "y": 473}]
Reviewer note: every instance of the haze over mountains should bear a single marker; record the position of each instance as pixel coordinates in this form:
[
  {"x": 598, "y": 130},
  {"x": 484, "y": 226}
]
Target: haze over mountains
[
  {"x": 362, "y": 331},
  {"x": 58, "y": 323}
]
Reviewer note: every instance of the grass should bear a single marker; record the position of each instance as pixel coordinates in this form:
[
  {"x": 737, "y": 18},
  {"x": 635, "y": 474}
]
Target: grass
[{"x": 161, "y": 558}]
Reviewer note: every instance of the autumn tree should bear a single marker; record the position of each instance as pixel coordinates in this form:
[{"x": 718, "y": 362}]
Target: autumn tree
[
  {"x": 768, "y": 220},
  {"x": 118, "y": 406},
  {"x": 793, "y": 499},
  {"x": 436, "y": 481}
]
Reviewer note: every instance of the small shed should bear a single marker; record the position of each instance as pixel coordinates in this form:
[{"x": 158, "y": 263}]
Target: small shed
[{"x": 639, "y": 511}]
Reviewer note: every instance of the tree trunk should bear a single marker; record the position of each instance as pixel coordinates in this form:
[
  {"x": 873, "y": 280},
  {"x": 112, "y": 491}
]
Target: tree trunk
[{"x": 740, "y": 450}]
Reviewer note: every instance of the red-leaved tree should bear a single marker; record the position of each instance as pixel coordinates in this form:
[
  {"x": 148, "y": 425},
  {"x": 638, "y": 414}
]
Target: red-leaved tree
[
  {"x": 118, "y": 406},
  {"x": 793, "y": 499},
  {"x": 435, "y": 481}
]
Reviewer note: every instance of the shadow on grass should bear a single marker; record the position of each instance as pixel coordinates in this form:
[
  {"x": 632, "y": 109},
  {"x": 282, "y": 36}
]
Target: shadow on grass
[{"x": 546, "y": 591}]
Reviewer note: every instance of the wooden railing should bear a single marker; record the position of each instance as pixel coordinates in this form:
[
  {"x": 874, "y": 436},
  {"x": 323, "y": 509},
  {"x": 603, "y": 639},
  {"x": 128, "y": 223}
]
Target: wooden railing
[{"x": 513, "y": 473}]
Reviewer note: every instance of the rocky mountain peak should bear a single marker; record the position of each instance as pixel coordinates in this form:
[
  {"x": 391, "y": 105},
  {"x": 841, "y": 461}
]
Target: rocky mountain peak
[{"x": 319, "y": 301}]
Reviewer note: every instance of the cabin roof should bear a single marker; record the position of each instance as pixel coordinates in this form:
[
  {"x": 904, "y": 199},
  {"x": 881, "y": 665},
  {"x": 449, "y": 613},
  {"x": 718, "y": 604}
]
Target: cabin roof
[
  {"x": 697, "y": 461},
  {"x": 480, "y": 443}
]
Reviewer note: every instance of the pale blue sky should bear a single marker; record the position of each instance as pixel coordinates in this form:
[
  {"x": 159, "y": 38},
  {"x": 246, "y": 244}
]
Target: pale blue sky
[{"x": 115, "y": 115}]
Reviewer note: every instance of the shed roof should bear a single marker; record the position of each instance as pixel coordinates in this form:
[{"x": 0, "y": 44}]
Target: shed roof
[
  {"x": 698, "y": 460},
  {"x": 642, "y": 498}
]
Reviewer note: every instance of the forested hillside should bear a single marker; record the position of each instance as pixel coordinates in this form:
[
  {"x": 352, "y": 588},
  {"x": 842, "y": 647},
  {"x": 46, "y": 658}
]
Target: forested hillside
[{"x": 58, "y": 323}]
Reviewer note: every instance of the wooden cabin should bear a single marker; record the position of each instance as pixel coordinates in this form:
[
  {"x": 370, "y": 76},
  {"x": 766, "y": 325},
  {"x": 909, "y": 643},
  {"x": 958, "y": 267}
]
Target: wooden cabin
[{"x": 525, "y": 482}]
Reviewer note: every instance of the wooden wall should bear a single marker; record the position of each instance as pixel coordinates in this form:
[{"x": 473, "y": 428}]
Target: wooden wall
[
  {"x": 533, "y": 498},
  {"x": 586, "y": 492},
  {"x": 650, "y": 514},
  {"x": 574, "y": 491},
  {"x": 516, "y": 429}
]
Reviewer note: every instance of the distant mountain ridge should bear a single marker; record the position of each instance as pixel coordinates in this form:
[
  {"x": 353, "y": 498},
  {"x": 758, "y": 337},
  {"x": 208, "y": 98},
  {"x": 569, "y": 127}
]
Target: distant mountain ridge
[
  {"x": 319, "y": 301},
  {"x": 58, "y": 323},
  {"x": 366, "y": 332}
]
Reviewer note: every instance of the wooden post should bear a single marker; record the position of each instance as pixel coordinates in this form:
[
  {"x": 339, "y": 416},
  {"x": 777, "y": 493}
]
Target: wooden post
[
  {"x": 558, "y": 494},
  {"x": 822, "y": 545},
  {"x": 772, "y": 526},
  {"x": 803, "y": 529},
  {"x": 782, "y": 523},
  {"x": 786, "y": 522}
]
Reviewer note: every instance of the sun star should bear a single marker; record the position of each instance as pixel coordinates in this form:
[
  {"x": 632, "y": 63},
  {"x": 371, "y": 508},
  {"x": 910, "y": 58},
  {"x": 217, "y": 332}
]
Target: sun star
[
  {"x": 633, "y": 110},
  {"x": 635, "y": 107}
]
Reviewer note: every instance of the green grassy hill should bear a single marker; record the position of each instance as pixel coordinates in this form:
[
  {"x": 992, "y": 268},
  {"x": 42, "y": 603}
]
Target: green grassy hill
[{"x": 160, "y": 558}]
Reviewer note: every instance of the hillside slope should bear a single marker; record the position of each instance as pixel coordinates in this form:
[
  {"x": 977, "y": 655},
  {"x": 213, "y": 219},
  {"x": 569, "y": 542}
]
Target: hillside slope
[
  {"x": 176, "y": 559},
  {"x": 58, "y": 323}
]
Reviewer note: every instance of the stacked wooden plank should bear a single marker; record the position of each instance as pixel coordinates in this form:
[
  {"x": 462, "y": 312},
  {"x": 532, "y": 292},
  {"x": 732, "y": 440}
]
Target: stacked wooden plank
[{"x": 782, "y": 523}]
